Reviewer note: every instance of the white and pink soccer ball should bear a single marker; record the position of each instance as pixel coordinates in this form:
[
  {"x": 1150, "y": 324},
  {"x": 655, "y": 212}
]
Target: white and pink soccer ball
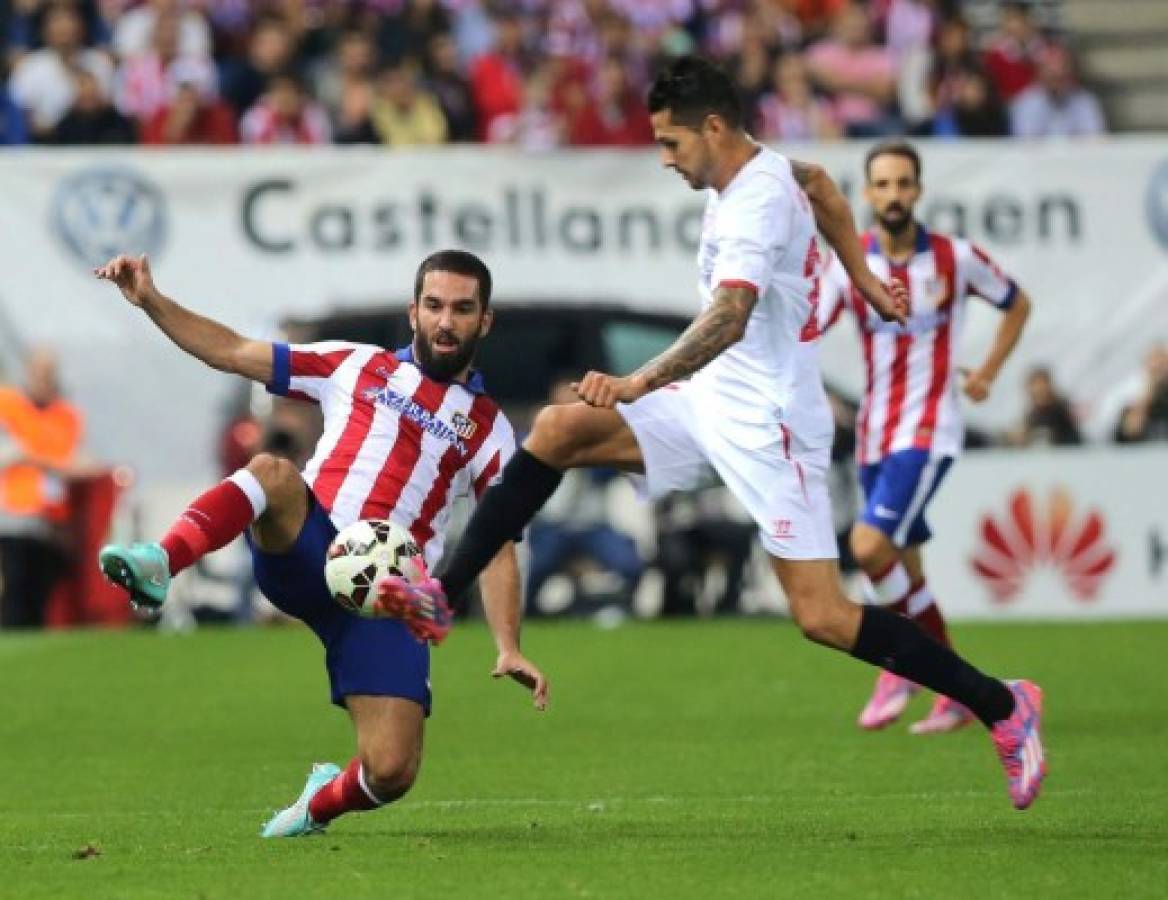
[{"x": 361, "y": 555}]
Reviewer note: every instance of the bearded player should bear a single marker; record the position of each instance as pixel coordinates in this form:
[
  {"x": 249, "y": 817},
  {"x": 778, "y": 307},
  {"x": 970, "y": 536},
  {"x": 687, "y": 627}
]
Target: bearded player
[
  {"x": 739, "y": 394},
  {"x": 909, "y": 429},
  {"x": 405, "y": 433}
]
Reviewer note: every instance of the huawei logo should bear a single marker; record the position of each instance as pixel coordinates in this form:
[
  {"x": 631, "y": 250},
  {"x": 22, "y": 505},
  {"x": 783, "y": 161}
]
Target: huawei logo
[{"x": 1030, "y": 537}]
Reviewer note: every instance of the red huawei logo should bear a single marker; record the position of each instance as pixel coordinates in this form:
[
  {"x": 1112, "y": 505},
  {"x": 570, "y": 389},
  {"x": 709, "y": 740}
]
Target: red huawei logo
[{"x": 1030, "y": 537}]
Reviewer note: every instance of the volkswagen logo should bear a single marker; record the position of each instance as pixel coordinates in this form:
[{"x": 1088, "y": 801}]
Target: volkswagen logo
[
  {"x": 99, "y": 213},
  {"x": 1156, "y": 203}
]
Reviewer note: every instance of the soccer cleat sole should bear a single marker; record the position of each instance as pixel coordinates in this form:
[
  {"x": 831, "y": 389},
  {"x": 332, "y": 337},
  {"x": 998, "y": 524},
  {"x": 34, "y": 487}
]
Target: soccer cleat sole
[{"x": 117, "y": 570}]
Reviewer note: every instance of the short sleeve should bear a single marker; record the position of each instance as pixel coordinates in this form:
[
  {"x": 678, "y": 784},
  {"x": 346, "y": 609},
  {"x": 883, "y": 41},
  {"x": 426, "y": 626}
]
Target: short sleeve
[
  {"x": 300, "y": 371},
  {"x": 985, "y": 278},
  {"x": 752, "y": 225}
]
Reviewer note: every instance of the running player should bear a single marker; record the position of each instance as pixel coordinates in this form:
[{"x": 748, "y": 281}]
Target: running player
[
  {"x": 754, "y": 410},
  {"x": 909, "y": 427},
  {"x": 405, "y": 433}
]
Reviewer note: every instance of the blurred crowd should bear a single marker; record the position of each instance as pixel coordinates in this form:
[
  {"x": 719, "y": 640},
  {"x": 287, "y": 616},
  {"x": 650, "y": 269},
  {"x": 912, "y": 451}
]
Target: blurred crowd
[{"x": 535, "y": 73}]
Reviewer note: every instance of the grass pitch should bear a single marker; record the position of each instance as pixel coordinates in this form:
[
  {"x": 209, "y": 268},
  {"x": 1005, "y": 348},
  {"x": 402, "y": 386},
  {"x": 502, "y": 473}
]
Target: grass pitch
[{"x": 699, "y": 759}]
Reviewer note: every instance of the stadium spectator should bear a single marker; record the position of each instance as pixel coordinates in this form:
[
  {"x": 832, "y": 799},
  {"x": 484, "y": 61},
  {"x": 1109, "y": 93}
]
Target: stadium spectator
[
  {"x": 614, "y": 115},
  {"x": 445, "y": 79},
  {"x": 134, "y": 30},
  {"x": 1146, "y": 417},
  {"x": 42, "y": 82},
  {"x": 285, "y": 115},
  {"x": 13, "y": 128},
  {"x": 497, "y": 77},
  {"x": 190, "y": 117},
  {"x": 751, "y": 71},
  {"x": 537, "y": 126},
  {"x": 1011, "y": 53},
  {"x": 1049, "y": 420},
  {"x": 791, "y": 111},
  {"x": 972, "y": 107},
  {"x": 405, "y": 115},
  {"x": 411, "y": 29},
  {"x": 352, "y": 62},
  {"x": 859, "y": 75},
  {"x": 271, "y": 50},
  {"x": 574, "y": 526},
  {"x": 1057, "y": 105},
  {"x": 147, "y": 80},
  {"x": 815, "y": 17},
  {"x": 40, "y": 433},
  {"x": 92, "y": 119}
]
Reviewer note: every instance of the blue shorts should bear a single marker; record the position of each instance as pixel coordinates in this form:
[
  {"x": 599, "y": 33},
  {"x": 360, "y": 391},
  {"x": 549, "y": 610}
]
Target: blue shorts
[
  {"x": 378, "y": 657},
  {"x": 897, "y": 490}
]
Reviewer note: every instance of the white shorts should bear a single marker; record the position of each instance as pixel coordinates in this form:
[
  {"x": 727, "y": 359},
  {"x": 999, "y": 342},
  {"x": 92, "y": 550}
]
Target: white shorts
[{"x": 782, "y": 484}]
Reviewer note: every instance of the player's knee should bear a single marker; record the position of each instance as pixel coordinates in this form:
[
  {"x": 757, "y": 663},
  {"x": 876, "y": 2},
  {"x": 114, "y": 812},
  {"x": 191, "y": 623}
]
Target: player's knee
[
  {"x": 389, "y": 775},
  {"x": 553, "y": 435},
  {"x": 275, "y": 474},
  {"x": 820, "y": 620},
  {"x": 869, "y": 547}
]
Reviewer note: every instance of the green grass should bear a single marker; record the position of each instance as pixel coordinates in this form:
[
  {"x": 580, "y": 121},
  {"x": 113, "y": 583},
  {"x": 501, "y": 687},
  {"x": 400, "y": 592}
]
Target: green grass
[{"x": 704, "y": 759}]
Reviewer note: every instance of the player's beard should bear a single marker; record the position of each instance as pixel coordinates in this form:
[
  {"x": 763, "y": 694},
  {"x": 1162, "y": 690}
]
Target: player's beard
[
  {"x": 444, "y": 366},
  {"x": 895, "y": 219}
]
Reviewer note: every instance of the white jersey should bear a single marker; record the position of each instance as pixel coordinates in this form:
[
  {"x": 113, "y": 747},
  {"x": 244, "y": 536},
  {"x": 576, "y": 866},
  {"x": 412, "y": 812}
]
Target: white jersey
[
  {"x": 910, "y": 400},
  {"x": 760, "y": 231},
  {"x": 396, "y": 445}
]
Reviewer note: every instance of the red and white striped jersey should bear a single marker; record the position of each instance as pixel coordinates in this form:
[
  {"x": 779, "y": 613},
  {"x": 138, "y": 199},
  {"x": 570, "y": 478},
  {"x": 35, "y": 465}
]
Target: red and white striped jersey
[
  {"x": 911, "y": 395},
  {"x": 396, "y": 444}
]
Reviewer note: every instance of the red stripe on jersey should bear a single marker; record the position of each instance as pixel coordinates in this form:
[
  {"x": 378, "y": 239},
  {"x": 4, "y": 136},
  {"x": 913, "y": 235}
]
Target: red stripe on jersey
[
  {"x": 404, "y": 455},
  {"x": 946, "y": 268},
  {"x": 482, "y": 412},
  {"x": 811, "y": 265},
  {"x": 484, "y": 479},
  {"x": 302, "y": 364},
  {"x": 334, "y": 469},
  {"x": 898, "y": 377}
]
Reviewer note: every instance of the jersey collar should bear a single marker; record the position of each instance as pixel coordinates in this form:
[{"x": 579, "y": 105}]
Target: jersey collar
[
  {"x": 474, "y": 379},
  {"x": 872, "y": 243}
]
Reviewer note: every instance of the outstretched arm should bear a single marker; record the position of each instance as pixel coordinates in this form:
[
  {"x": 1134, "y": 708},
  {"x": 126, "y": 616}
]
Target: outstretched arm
[
  {"x": 979, "y": 382},
  {"x": 503, "y": 607},
  {"x": 833, "y": 216},
  {"x": 205, "y": 339},
  {"x": 720, "y": 325}
]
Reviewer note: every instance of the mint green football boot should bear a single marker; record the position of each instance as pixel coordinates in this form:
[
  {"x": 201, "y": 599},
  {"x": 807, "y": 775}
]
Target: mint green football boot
[
  {"x": 142, "y": 569},
  {"x": 295, "y": 821}
]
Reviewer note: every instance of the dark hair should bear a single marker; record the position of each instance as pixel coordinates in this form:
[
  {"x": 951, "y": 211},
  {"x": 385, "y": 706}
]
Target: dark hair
[
  {"x": 460, "y": 263},
  {"x": 692, "y": 88},
  {"x": 894, "y": 147}
]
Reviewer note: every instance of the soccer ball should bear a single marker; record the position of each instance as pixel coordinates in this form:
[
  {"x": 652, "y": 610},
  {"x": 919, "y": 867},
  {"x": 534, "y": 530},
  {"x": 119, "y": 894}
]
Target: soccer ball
[{"x": 364, "y": 553}]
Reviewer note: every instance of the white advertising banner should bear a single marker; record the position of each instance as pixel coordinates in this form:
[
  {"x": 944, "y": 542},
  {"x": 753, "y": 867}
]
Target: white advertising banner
[
  {"x": 1067, "y": 534},
  {"x": 251, "y": 236}
]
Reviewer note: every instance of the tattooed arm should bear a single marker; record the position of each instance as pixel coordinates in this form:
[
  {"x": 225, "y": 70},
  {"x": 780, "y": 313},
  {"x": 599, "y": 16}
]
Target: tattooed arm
[
  {"x": 833, "y": 216},
  {"x": 720, "y": 325}
]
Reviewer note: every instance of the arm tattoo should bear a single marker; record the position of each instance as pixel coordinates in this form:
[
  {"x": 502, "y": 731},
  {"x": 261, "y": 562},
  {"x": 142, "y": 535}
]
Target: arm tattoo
[{"x": 723, "y": 323}]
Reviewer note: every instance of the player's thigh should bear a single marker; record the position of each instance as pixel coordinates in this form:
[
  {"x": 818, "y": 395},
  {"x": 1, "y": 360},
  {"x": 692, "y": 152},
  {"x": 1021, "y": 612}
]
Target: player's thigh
[
  {"x": 389, "y": 733},
  {"x": 817, "y": 600},
  {"x": 872, "y": 548},
  {"x": 572, "y": 435}
]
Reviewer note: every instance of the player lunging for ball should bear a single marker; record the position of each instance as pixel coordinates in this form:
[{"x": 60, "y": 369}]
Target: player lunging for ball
[
  {"x": 405, "y": 433},
  {"x": 909, "y": 427},
  {"x": 753, "y": 409}
]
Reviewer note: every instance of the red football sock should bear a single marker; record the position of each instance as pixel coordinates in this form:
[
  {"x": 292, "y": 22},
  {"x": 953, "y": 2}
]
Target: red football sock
[
  {"x": 341, "y": 795},
  {"x": 921, "y": 606},
  {"x": 211, "y": 522}
]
